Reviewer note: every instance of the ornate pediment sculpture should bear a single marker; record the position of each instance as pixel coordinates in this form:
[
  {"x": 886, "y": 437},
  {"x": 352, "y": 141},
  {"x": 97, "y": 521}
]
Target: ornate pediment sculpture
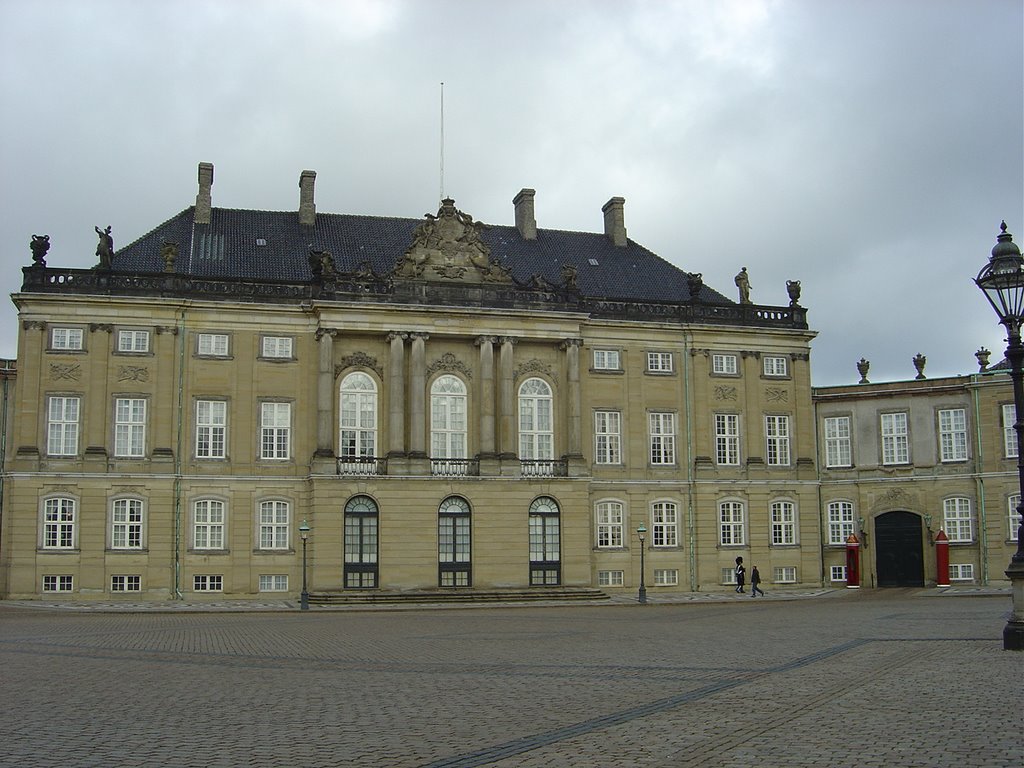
[{"x": 448, "y": 247}]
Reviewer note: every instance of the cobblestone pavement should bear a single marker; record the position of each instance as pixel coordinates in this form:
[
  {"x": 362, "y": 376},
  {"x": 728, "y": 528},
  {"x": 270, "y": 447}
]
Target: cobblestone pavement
[{"x": 839, "y": 678}]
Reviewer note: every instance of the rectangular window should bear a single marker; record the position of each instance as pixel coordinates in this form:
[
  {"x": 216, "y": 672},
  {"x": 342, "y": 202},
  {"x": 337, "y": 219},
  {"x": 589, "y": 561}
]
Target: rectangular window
[
  {"x": 211, "y": 428},
  {"x": 62, "y": 425},
  {"x": 785, "y": 574},
  {"x": 609, "y": 524},
  {"x": 275, "y": 430},
  {"x": 126, "y": 524},
  {"x": 961, "y": 572},
  {"x": 838, "y": 448},
  {"x": 212, "y": 344},
  {"x": 58, "y": 583},
  {"x": 274, "y": 524},
  {"x": 666, "y": 577},
  {"x": 957, "y": 520},
  {"x": 728, "y": 576},
  {"x": 776, "y": 430},
  {"x": 273, "y": 582},
  {"x": 727, "y": 439},
  {"x": 953, "y": 434},
  {"x": 895, "y": 439},
  {"x": 608, "y": 434},
  {"x": 276, "y": 346},
  {"x": 663, "y": 438},
  {"x": 783, "y": 523},
  {"x": 1009, "y": 433},
  {"x": 129, "y": 427},
  {"x": 840, "y": 521},
  {"x": 724, "y": 365},
  {"x": 66, "y": 338},
  {"x": 837, "y": 573},
  {"x": 775, "y": 366},
  {"x": 606, "y": 360},
  {"x": 664, "y": 524},
  {"x": 609, "y": 578},
  {"x": 659, "y": 362},
  {"x": 208, "y": 524},
  {"x": 125, "y": 583},
  {"x": 207, "y": 583},
  {"x": 730, "y": 523},
  {"x": 133, "y": 341},
  {"x": 1012, "y": 517},
  {"x": 59, "y": 523}
]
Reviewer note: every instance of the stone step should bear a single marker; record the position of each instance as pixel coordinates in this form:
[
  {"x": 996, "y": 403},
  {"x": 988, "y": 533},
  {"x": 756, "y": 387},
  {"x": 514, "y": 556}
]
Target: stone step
[{"x": 378, "y": 597}]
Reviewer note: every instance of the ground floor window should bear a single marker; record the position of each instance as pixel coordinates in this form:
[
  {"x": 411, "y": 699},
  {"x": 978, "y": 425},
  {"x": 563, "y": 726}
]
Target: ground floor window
[
  {"x": 125, "y": 583},
  {"x": 207, "y": 583},
  {"x": 785, "y": 574},
  {"x": 837, "y": 573},
  {"x": 609, "y": 578},
  {"x": 729, "y": 576},
  {"x": 961, "y": 572},
  {"x": 361, "y": 517},
  {"x": 545, "y": 543},
  {"x": 58, "y": 583},
  {"x": 453, "y": 543},
  {"x": 273, "y": 582},
  {"x": 666, "y": 577}
]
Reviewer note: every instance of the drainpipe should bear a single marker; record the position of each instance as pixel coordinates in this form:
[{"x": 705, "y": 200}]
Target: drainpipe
[
  {"x": 979, "y": 480},
  {"x": 179, "y": 439},
  {"x": 690, "y": 512}
]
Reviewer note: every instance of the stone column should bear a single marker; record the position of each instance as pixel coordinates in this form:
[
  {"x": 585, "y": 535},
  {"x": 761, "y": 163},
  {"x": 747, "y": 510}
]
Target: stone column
[
  {"x": 31, "y": 354},
  {"x": 163, "y": 414},
  {"x": 506, "y": 400},
  {"x": 95, "y": 405},
  {"x": 486, "y": 344},
  {"x": 396, "y": 395},
  {"x": 325, "y": 394},
  {"x": 574, "y": 400},
  {"x": 417, "y": 395}
]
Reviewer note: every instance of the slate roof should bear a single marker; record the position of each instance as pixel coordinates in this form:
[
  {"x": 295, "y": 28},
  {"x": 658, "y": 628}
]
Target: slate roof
[{"x": 227, "y": 248}]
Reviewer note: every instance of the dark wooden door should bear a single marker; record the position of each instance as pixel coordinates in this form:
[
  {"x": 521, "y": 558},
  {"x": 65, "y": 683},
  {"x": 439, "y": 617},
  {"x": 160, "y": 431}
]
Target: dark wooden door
[{"x": 899, "y": 558}]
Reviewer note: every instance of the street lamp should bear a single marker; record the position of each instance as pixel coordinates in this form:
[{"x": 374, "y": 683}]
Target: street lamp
[
  {"x": 304, "y": 597},
  {"x": 641, "y": 533},
  {"x": 1002, "y": 280}
]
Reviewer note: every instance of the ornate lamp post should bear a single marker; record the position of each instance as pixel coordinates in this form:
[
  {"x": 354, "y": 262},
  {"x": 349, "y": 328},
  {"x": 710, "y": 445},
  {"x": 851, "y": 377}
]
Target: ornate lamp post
[
  {"x": 304, "y": 597},
  {"x": 1002, "y": 280},
  {"x": 641, "y": 533}
]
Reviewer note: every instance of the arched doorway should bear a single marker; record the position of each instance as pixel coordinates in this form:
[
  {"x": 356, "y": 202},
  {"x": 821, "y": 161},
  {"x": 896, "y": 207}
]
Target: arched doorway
[{"x": 899, "y": 558}]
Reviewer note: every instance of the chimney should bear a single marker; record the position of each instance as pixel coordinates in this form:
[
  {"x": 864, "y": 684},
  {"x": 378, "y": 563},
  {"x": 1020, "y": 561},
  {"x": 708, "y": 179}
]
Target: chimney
[
  {"x": 307, "y": 209},
  {"x": 615, "y": 221},
  {"x": 204, "y": 200},
  {"x": 525, "y": 221}
]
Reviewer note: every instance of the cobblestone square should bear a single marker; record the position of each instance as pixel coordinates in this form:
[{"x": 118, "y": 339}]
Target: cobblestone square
[{"x": 879, "y": 678}]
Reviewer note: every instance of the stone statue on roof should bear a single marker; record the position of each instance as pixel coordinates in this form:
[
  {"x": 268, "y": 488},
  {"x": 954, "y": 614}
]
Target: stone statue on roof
[
  {"x": 105, "y": 248},
  {"x": 40, "y": 245},
  {"x": 742, "y": 281}
]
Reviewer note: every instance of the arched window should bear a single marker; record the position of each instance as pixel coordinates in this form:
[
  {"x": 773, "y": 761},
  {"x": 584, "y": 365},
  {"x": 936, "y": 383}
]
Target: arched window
[
  {"x": 453, "y": 543},
  {"x": 536, "y": 424},
  {"x": 361, "y": 543},
  {"x": 358, "y": 418},
  {"x": 448, "y": 418},
  {"x": 545, "y": 543}
]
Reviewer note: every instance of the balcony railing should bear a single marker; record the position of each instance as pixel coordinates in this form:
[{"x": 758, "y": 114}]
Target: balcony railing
[
  {"x": 455, "y": 467},
  {"x": 362, "y": 466},
  {"x": 544, "y": 467}
]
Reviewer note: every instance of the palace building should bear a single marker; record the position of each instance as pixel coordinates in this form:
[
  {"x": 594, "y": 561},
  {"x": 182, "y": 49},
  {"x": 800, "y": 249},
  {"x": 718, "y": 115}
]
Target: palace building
[{"x": 447, "y": 405}]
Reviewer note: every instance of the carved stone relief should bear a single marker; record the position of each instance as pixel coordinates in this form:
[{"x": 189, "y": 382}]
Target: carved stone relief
[
  {"x": 449, "y": 363},
  {"x": 359, "y": 360},
  {"x": 65, "y": 371},
  {"x": 723, "y": 392}
]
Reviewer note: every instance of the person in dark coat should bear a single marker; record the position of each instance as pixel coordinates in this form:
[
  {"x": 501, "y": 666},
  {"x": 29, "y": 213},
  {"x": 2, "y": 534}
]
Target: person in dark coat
[
  {"x": 755, "y": 581},
  {"x": 741, "y": 574}
]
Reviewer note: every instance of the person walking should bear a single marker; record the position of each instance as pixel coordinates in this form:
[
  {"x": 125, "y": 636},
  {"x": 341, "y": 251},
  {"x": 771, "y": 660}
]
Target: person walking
[
  {"x": 755, "y": 581},
  {"x": 741, "y": 574}
]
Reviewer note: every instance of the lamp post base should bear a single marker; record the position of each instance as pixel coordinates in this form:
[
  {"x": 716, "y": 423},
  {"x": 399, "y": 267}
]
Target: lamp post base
[
  {"x": 304, "y": 601},
  {"x": 642, "y": 595},
  {"x": 1013, "y": 632},
  {"x": 1013, "y": 636}
]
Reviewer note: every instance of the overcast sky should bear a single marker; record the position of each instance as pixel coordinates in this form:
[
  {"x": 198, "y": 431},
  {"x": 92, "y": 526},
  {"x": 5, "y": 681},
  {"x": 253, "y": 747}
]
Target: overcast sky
[{"x": 868, "y": 149}]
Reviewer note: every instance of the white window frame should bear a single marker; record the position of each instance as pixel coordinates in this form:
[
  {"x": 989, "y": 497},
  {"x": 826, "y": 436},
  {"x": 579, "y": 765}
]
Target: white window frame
[
  {"x": 776, "y": 433},
  {"x": 610, "y": 515},
  {"x": 357, "y": 434},
  {"x": 663, "y": 437},
  {"x": 607, "y": 437},
  {"x": 775, "y": 366},
  {"x": 607, "y": 360},
  {"x": 202, "y": 582},
  {"x": 659, "y": 362},
  {"x": 273, "y": 582},
  {"x": 838, "y": 442},
  {"x": 449, "y": 403},
  {"x": 211, "y": 429},
  {"x": 63, "y": 414},
  {"x": 1009, "y": 433},
  {"x": 837, "y": 573},
  {"x": 895, "y": 438},
  {"x": 65, "y": 339},
  {"x": 727, "y": 439},
  {"x": 130, "y": 427},
  {"x": 724, "y": 365},
  {"x": 840, "y": 521},
  {"x": 60, "y": 523},
  {"x": 536, "y": 421},
  {"x": 961, "y": 571},
  {"x": 783, "y": 522},
  {"x": 276, "y": 347},
  {"x": 213, "y": 345},
  {"x": 58, "y": 583},
  {"x": 784, "y": 574},
  {"x": 127, "y": 523},
  {"x": 125, "y": 583},
  {"x": 664, "y": 524},
  {"x": 1012, "y": 518},
  {"x": 131, "y": 341},
  {"x": 275, "y": 431},
  {"x": 274, "y": 518},
  {"x": 732, "y": 523},
  {"x": 729, "y": 575},
  {"x": 953, "y": 434},
  {"x": 610, "y": 578},
  {"x": 209, "y": 524},
  {"x": 958, "y": 520},
  {"x": 666, "y": 577}
]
